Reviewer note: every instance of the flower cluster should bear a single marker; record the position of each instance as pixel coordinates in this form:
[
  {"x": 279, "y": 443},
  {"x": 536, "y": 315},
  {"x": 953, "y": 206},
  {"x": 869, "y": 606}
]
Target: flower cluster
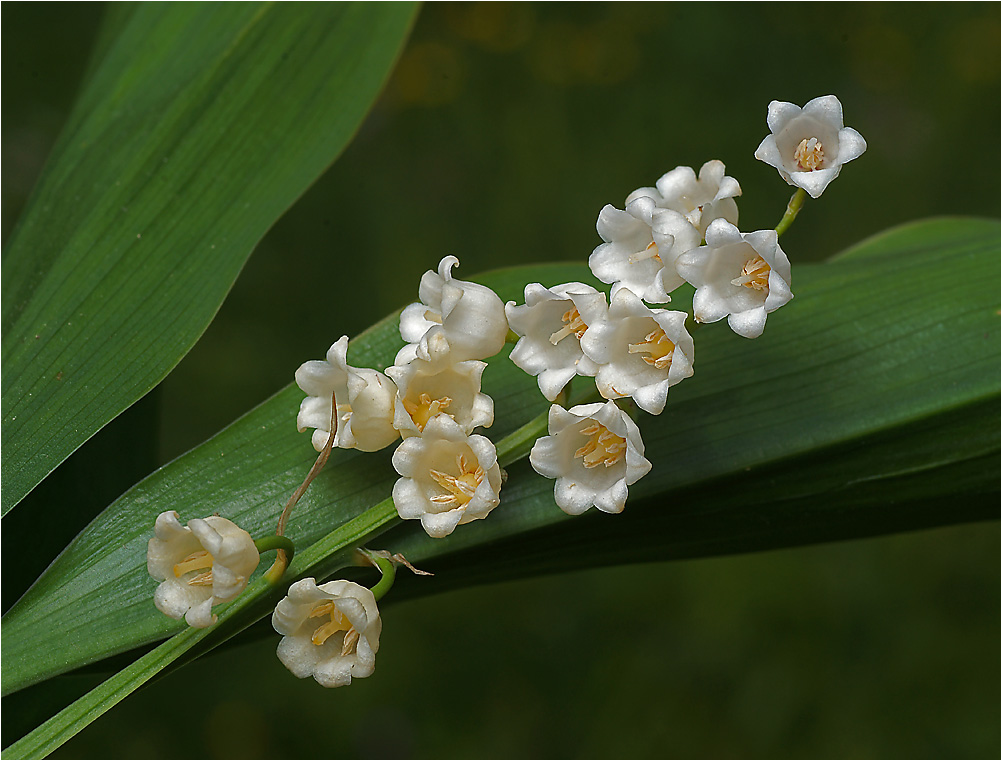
[
  {"x": 684, "y": 229},
  {"x": 431, "y": 397}
]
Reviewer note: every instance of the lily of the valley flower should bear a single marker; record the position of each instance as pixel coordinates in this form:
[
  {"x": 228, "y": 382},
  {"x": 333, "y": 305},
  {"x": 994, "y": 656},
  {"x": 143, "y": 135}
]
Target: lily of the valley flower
[
  {"x": 447, "y": 477},
  {"x": 641, "y": 245},
  {"x": 199, "y": 565},
  {"x": 551, "y": 323},
  {"x": 809, "y": 145},
  {"x": 426, "y": 389},
  {"x": 595, "y": 453},
  {"x": 640, "y": 352},
  {"x": 365, "y": 402},
  {"x": 465, "y": 320},
  {"x": 741, "y": 276},
  {"x": 701, "y": 200},
  {"x": 331, "y": 632}
]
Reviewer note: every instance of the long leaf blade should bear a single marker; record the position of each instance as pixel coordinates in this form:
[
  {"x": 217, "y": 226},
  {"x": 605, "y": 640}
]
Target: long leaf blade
[
  {"x": 769, "y": 444},
  {"x": 201, "y": 124}
]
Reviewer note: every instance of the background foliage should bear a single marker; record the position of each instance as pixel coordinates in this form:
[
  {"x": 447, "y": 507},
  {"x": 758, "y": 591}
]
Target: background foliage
[{"x": 504, "y": 130}]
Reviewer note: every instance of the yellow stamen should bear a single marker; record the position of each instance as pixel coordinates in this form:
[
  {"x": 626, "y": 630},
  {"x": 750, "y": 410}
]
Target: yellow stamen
[
  {"x": 425, "y": 409},
  {"x": 195, "y": 562},
  {"x": 431, "y": 316},
  {"x": 338, "y": 623},
  {"x": 755, "y": 274},
  {"x": 572, "y": 324},
  {"x": 603, "y": 448},
  {"x": 810, "y": 154},
  {"x": 460, "y": 488},
  {"x": 651, "y": 252},
  {"x": 657, "y": 346}
]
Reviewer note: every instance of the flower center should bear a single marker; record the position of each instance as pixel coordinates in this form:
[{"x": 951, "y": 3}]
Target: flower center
[
  {"x": 425, "y": 408},
  {"x": 603, "y": 448},
  {"x": 196, "y": 561},
  {"x": 755, "y": 274},
  {"x": 460, "y": 488},
  {"x": 658, "y": 348},
  {"x": 572, "y": 324},
  {"x": 338, "y": 623},
  {"x": 810, "y": 154},
  {"x": 651, "y": 252}
]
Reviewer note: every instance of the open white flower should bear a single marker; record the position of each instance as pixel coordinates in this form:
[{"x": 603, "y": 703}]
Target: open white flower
[
  {"x": 701, "y": 200},
  {"x": 551, "y": 323},
  {"x": 426, "y": 389},
  {"x": 809, "y": 145},
  {"x": 448, "y": 478},
  {"x": 641, "y": 245},
  {"x": 641, "y": 352},
  {"x": 464, "y": 319},
  {"x": 741, "y": 276},
  {"x": 595, "y": 452},
  {"x": 331, "y": 632},
  {"x": 365, "y": 401},
  {"x": 199, "y": 565}
]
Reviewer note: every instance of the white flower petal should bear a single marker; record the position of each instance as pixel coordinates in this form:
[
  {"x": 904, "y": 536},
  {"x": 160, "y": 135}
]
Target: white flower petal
[{"x": 809, "y": 146}]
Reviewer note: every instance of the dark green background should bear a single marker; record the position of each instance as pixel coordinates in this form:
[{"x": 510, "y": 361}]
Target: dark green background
[{"x": 504, "y": 130}]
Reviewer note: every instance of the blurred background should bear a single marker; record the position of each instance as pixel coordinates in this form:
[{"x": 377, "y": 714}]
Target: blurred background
[{"x": 503, "y": 131}]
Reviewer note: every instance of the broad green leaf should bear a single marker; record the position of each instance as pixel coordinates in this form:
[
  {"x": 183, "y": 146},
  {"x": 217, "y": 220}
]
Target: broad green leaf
[
  {"x": 870, "y": 405},
  {"x": 198, "y": 127}
]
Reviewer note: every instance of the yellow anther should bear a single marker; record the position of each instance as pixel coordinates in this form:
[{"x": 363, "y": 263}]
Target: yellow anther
[
  {"x": 196, "y": 561},
  {"x": 425, "y": 408},
  {"x": 658, "y": 348},
  {"x": 338, "y": 623},
  {"x": 755, "y": 274},
  {"x": 810, "y": 154},
  {"x": 603, "y": 448},
  {"x": 460, "y": 488},
  {"x": 572, "y": 324},
  {"x": 651, "y": 252}
]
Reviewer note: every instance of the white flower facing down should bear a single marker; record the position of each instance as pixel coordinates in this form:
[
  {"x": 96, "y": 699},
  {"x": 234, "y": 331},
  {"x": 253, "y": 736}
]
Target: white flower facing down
[
  {"x": 199, "y": 565},
  {"x": 551, "y": 323},
  {"x": 641, "y": 245},
  {"x": 365, "y": 402},
  {"x": 741, "y": 276},
  {"x": 701, "y": 200},
  {"x": 448, "y": 478},
  {"x": 809, "y": 145},
  {"x": 640, "y": 352},
  {"x": 427, "y": 389},
  {"x": 595, "y": 452},
  {"x": 455, "y": 317},
  {"x": 331, "y": 632}
]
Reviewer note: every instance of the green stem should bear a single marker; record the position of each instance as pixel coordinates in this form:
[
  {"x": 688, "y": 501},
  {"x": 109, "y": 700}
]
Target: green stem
[
  {"x": 388, "y": 571},
  {"x": 792, "y": 209},
  {"x": 286, "y": 551}
]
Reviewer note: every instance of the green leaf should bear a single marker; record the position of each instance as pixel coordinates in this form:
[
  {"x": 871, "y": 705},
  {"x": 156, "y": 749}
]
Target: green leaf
[
  {"x": 870, "y": 405},
  {"x": 198, "y": 127}
]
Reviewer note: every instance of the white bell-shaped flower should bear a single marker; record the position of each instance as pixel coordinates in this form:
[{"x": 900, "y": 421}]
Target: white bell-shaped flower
[
  {"x": 551, "y": 323},
  {"x": 199, "y": 565},
  {"x": 741, "y": 276},
  {"x": 330, "y": 632},
  {"x": 701, "y": 200},
  {"x": 464, "y": 319},
  {"x": 640, "y": 352},
  {"x": 447, "y": 477},
  {"x": 641, "y": 245},
  {"x": 426, "y": 389},
  {"x": 595, "y": 453},
  {"x": 365, "y": 402},
  {"x": 809, "y": 145}
]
